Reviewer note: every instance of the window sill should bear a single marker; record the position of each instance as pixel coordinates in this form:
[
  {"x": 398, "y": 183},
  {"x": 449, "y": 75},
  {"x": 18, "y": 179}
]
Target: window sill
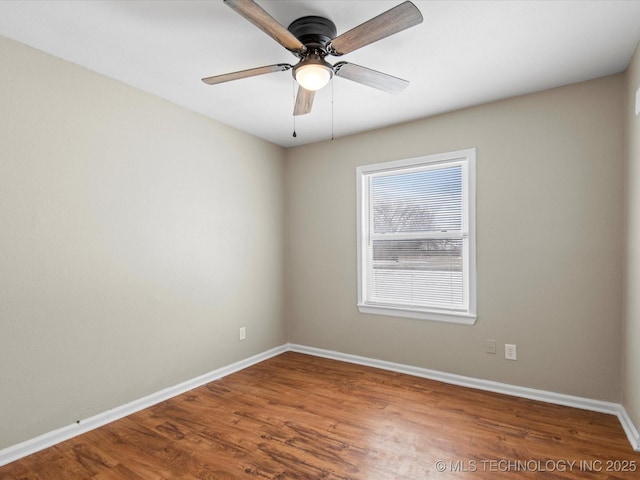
[{"x": 446, "y": 317}]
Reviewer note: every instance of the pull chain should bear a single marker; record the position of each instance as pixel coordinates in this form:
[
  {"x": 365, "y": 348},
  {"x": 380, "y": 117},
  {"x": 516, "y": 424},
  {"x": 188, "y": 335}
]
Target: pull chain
[
  {"x": 294, "y": 106},
  {"x": 332, "y": 109}
]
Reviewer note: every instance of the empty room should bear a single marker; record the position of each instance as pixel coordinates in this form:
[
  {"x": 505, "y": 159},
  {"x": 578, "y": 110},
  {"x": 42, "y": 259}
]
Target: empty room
[{"x": 319, "y": 239}]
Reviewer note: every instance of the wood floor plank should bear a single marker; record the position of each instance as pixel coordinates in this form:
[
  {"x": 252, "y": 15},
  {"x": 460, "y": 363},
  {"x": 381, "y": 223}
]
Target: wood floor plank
[{"x": 301, "y": 417}]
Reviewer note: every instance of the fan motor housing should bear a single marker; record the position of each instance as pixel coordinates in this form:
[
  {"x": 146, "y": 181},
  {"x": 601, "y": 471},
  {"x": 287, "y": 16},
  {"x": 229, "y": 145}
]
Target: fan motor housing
[{"x": 313, "y": 32}]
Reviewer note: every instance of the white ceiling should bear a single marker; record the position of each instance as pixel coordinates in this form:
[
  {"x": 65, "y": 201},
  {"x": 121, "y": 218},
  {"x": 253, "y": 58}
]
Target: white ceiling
[{"x": 464, "y": 53}]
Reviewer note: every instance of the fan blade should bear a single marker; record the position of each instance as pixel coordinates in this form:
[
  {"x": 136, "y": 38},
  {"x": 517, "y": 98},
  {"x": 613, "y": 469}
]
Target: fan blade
[
  {"x": 265, "y": 22},
  {"x": 252, "y": 72},
  {"x": 392, "y": 21},
  {"x": 372, "y": 78},
  {"x": 304, "y": 101}
]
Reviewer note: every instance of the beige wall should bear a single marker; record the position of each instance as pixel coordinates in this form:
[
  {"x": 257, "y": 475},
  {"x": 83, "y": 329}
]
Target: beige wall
[
  {"x": 549, "y": 241},
  {"x": 631, "y": 332},
  {"x": 135, "y": 239}
]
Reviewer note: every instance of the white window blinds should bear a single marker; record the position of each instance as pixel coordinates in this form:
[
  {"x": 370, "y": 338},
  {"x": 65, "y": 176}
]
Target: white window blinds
[{"x": 415, "y": 251}]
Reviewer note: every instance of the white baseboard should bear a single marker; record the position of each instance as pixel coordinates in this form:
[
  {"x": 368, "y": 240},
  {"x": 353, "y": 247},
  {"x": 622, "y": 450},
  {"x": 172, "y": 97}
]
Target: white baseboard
[
  {"x": 629, "y": 428},
  {"x": 488, "y": 385},
  {"x": 54, "y": 437}
]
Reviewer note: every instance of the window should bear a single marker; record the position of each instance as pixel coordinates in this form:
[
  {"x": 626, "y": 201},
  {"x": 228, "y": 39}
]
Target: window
[{"x": 416, "y": 237}]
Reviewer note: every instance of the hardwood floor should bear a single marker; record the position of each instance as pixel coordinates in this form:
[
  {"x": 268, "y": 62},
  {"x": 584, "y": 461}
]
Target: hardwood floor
[{"x": 301, "y": 417}]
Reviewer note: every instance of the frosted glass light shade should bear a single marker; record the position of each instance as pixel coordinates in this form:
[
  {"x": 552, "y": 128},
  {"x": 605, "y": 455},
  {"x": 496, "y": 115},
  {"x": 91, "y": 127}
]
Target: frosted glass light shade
[{"x": 313, "y": 76}]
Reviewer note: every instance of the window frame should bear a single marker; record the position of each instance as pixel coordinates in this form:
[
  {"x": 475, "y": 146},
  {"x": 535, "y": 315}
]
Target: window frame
[{"x": 364, "y": 173}]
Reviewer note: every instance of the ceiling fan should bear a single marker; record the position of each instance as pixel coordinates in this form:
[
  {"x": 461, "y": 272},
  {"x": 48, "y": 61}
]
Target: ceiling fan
[{"x": 313, "y": 38}]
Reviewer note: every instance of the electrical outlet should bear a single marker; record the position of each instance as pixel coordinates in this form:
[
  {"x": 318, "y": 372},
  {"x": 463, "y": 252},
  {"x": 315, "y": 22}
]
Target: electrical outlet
[
  {"x": 510, "y": 352},
  {"x": 243, "y": 333},
  {"x": 491, "y": 346}
]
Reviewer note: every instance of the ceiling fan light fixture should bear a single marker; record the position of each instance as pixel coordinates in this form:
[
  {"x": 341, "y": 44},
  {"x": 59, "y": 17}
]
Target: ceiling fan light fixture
[
  {"x": 312, "y": 38},
  {"x": 313, "y": 73}
]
